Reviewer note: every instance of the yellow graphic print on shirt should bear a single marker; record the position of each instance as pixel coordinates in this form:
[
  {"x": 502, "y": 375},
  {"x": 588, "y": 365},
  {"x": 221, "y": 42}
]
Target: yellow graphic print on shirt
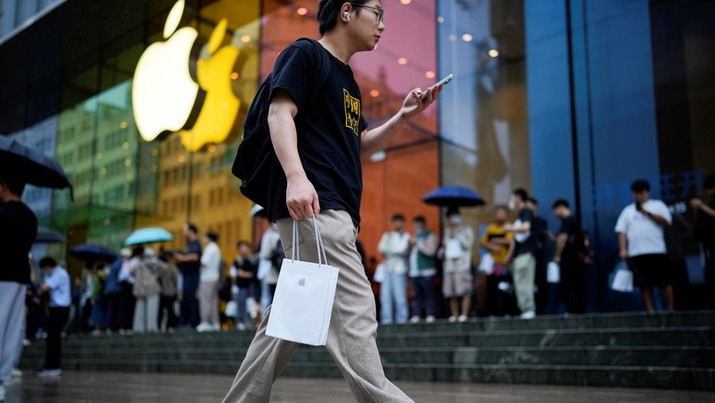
[{"x": 352, "y": 112}]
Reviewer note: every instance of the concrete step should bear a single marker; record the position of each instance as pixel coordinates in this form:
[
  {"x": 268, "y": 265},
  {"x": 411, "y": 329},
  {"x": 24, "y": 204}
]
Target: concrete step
[{"x": 685, "y": 357}]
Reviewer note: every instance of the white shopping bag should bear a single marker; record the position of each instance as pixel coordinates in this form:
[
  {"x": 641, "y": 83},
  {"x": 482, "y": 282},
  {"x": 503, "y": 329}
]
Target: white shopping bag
[
  {"x": 453, "y": 249},
  {"x": 379, "y": 275},
  {"x": 553, "y": 274},
  {"x": 303, "y": 302},
  {"x": 264, "y": 267},
  {"x": 486, "y": 264},
  {"x": 622, "y": 279}
]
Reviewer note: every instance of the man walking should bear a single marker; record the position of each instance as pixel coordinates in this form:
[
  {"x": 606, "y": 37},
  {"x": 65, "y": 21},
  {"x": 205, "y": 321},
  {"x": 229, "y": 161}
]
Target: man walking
[
  {"x": 641, "y": 240},
  {"x": 524, "y": 254},
  {"x": 393, "y": 290},
  {"x": 190, "y": 266},
  {"x": 572, "y": 267},
  {"x": 318, "y": 145},
  {"x": 18, "y": 228}
]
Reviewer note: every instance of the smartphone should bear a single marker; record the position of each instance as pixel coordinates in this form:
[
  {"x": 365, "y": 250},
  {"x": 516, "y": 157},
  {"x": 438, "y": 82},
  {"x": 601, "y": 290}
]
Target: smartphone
[{"x": 441, "y": 82}]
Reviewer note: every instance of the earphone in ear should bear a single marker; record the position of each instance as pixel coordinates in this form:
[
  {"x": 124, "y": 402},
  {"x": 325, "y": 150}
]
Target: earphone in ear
[{"x": 347, "y": 15}]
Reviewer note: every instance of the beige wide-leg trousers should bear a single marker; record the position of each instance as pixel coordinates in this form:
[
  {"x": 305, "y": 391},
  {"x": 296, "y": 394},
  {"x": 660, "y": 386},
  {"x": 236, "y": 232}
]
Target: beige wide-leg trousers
[{"x": 353, "y": 325}]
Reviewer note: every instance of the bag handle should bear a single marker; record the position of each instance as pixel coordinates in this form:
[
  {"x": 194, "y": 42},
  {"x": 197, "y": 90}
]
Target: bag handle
[{"x": 295, "y": 253}]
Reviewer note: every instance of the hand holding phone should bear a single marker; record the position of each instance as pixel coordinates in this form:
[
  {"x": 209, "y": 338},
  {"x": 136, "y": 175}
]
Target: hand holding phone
[{"x": 440, "y": 83}]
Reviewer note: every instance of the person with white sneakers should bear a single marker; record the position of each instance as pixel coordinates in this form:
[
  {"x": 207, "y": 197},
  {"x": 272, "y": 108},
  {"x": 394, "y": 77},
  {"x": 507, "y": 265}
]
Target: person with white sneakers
[
  {"x": 457, "y": 281},
  {"x": 57, "y": 284},
  {"x": 423, "y": 268},
  {"x": 208, "y": 284},
  {"x": 524, "y": 268}
]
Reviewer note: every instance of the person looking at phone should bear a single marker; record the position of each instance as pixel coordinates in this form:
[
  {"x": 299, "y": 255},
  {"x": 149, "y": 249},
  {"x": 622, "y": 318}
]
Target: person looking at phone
[
  {"x": 641, "y": 242},
  {"x": 318, "y": 143}
]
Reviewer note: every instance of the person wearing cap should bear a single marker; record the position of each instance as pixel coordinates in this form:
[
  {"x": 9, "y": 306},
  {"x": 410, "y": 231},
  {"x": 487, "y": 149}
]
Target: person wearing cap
[{"x": 208, "y": 285}]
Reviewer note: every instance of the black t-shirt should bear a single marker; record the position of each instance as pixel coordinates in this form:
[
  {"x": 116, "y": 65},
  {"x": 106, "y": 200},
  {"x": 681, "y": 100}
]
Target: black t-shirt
[
  {"x": 328, "y": 126},
  {"x": 704, "y": 230},
  {"x": 246, "y": 265},
  {"x": 572, "y": 229},
  {"x": 193, "y": 246},
  {"x": 18, "y": 229},
  {"x": 529, "y": 244}
]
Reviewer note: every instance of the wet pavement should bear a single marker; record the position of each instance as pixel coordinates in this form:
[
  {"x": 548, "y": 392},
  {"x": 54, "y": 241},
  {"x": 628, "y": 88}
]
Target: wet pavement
[{"x": 117, "y": 387}]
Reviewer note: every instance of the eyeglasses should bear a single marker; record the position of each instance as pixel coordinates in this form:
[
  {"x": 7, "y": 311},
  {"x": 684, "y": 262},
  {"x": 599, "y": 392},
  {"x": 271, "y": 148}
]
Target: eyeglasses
[{"x": 377, "y": 10}]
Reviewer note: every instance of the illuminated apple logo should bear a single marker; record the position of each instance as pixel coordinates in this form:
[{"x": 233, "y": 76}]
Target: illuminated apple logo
[
  {"x": 163, "y": 92},
  {"x": 220, "y": 107}
]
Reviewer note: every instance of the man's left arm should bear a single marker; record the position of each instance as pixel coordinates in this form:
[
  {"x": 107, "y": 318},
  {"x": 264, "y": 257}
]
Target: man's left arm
[{"x": 377, "y": 138}]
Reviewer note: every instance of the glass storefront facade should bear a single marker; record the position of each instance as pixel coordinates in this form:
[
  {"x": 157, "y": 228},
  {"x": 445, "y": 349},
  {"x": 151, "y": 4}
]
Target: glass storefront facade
[{"x": 567, "y": 98}]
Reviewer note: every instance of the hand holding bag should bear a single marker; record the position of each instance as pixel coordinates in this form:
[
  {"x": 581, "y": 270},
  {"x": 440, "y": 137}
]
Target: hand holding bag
[
  {"x": 623, "y": 278},
  {"x": 303, "y": 302}
]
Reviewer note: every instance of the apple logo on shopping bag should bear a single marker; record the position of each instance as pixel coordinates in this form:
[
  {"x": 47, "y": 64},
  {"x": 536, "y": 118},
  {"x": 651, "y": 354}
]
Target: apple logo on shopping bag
[{"x": 301, "y": 281}]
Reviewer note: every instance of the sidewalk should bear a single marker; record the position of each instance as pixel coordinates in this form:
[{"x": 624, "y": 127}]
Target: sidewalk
[{"x": 185, "y": 388}]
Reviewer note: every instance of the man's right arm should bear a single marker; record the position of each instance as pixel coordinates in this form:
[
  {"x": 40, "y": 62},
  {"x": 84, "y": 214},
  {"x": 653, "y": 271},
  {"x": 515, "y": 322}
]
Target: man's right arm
[
  {"x": 301, "y": 197},
  {"x": 622, "y": 245}
]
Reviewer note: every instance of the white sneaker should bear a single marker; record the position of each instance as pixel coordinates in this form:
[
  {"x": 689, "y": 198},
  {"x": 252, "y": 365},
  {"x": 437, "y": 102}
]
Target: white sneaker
[
  {"x": 462, "y": 318},
  {"x": 203, "y": 327},
  {"x": 528, "y": 315},
  {"x": 49, "y": 373},
  {"x": 2, "y": 392},
  {"x": 415, "y": 319},
  {"x": 215, "y": 327},
  {"x": 241, "y": 326},
  {"x": 16, "y": 373},
  {"x": 429, "y": 319},
  {"x": 452, "y": 319}
]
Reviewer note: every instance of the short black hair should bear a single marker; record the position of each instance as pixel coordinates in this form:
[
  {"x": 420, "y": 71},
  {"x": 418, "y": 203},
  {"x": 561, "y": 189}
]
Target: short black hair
[
  {"x": 398, "y": 217},
  {"x": 709, "y": 182},
  {"x": 560, "y": 203},
  {"x": 47, "y": 262},
  {"x": 212, "y": 236},
  {"x": 192, "y": 227},
  {"x": 13, "y": 186},
  {"x": 640, "y": 185},
  {"x": 138, "y": 251},
  {"x": 521, "y": 193},
  {"x": 328, "y": 11},
  {"x": 419, "y": 219},
  {"x": 533, "y": 201}
]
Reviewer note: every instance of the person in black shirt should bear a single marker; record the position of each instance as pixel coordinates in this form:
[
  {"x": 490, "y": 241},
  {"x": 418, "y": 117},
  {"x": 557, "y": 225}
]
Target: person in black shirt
[
  {"x": 242, "y": 274},
  {"x": 318, "y": 143},
  {"x": 704, "y": 232},
  {"x": 190, "y": 266},
  {"x": 573, "y": 270},
  {"x": 524, "y": 268},
  {"x": 18, "y": 229},
  {"x": 544, "y": 250}
]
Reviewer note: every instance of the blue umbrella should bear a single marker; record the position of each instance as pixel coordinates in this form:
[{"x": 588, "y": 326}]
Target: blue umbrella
[
  {"x": 453, "y": 196},
  {"x": 148, "y": 235},
  {"x": 89, "y": 251},
  {"x": 28, "y": 165},
  {"x": 46, "y": 235}
]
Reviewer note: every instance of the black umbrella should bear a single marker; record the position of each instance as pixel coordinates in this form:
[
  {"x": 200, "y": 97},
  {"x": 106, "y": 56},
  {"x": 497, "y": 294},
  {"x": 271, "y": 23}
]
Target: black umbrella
[
  {"x": 453, "y": 196},
  {"x": 28, "y": 165},
  {"x": 46, "y": 235},
  {"x": 90, "y": 252}
]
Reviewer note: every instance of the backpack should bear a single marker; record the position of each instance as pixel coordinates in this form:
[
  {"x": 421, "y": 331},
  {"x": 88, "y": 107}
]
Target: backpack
[{"x": 256, "y": 159}]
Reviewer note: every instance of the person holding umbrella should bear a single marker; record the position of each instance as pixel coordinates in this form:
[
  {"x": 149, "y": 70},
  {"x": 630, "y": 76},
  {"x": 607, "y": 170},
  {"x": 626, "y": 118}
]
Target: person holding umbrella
[{"x": 18, "y": 228}]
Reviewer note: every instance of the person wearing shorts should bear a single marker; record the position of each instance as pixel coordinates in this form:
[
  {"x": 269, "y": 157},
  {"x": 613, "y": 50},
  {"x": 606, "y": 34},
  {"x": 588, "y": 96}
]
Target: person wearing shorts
[
  {"x": 457, "y": 282},
  {"x": 642, "y": 243}
]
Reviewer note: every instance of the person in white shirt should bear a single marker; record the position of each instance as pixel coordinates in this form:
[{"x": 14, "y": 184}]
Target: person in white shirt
[
  {"x": 57, "y": 284},
  {"x": 642, "y": 243},
  {"x": 394, "y": 247},
  {"x": 267, "y": 272},
  {"x": 457, "y": 281},
  {"x": 208, "y": 284}
]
